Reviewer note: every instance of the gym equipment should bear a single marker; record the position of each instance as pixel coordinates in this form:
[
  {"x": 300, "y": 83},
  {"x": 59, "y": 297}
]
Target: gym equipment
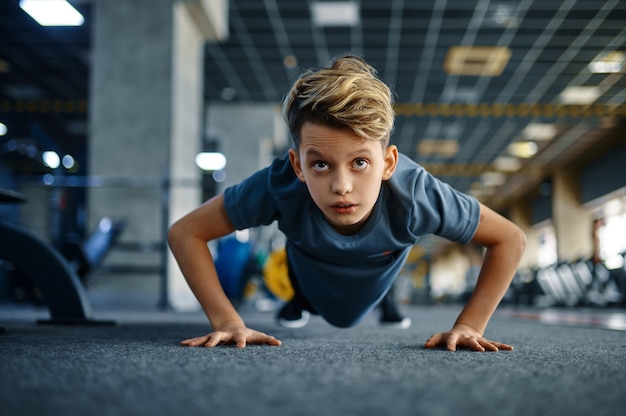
[
  {"x": 276, "y": 275},
  {"x": 233, "y": 264},
  {"x": 60, "y": 286},
  {"x": 551, "y": 285},
  {"x": 575, "y": 293},
  {"x": 85, "y": 256}
]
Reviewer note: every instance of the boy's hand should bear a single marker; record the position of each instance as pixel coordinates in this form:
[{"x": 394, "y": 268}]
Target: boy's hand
[
  {"x": 465, "y": 337},
  {"x": 238, "y": 335}
]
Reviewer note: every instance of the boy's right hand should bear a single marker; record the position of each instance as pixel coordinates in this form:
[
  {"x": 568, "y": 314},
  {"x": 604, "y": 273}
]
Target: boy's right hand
[{"x": 238, "y": 335}]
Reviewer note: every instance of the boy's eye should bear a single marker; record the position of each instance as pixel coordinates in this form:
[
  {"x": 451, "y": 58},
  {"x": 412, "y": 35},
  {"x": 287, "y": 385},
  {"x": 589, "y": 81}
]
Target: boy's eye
[
  {"x": 320, "y": 166},
  {"x": 360, "y": 164}
]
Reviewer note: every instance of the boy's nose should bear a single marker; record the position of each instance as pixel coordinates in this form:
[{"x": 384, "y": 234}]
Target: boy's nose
[{"x": 341, "y": 184}]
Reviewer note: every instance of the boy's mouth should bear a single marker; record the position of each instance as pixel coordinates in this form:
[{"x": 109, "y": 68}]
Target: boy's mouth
[{"x": 344, "y": 207}]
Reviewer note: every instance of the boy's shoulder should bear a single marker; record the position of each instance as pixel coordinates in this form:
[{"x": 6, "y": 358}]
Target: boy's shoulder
[
  {"x": 407, "y": 170},
  {"x": 282, "y": 180}
]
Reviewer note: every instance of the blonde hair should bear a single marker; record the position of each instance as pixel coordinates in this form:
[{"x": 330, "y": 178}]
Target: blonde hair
[{"x": 346, "y": 94}]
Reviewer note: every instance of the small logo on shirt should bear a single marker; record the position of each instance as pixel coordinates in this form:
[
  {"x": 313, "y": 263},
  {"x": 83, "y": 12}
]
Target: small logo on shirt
[{"x": 377, "y": 255}]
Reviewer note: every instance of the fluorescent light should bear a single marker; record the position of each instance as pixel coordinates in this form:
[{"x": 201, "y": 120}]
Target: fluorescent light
[
  {"x": 608, "y": 63},
  {"x": 211, "y": 161},
  {"x": 438, "y": 147},
  {"x": 477, "y": 189},
  {"x": 476, "y": 60},
  {"x": 52, "y": 12},
  {"x": 507, "y": 164},
  {"x": 335, "y": 13},
  {"x": 493, "y": 179},
  {"x": 540, "y": 131},
  {"x": 579, "y": 95},
  {"x": 523, "y": 150}
]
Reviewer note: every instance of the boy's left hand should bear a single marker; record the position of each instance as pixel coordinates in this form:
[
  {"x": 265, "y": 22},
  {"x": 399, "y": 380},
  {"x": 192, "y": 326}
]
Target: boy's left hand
[{"x": 464, "y": 336}]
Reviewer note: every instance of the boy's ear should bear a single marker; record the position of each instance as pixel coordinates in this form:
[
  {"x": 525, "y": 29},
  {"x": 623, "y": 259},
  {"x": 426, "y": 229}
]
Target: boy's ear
[
  {"x": 294, "y": 159},
  {"x": 391, "y": 161}
]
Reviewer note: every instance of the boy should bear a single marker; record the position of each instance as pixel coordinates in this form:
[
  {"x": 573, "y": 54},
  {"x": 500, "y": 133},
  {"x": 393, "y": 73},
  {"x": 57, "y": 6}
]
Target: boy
[{"x": 350, "y": 207}]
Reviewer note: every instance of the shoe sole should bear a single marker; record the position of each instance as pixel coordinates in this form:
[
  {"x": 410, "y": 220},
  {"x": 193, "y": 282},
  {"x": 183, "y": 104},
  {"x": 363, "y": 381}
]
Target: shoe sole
[
  {"x": 403, "y": 324},
  {"x": 299, "y": 323}
]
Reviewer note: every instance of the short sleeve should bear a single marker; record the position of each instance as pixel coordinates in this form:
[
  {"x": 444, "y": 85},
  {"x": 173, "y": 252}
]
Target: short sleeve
[
  {"x": 250, "y": 203},
  {"x": 431, "y": 206},
  {"x": 453, "y": 214}
]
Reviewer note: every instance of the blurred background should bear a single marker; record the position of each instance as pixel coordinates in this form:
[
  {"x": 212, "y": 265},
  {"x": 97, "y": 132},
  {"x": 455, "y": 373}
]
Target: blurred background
[{"x": 115, "y": 123}]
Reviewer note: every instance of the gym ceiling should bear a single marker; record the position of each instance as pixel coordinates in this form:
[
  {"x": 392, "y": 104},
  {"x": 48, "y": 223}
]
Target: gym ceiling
[{"x": 491, "y": 95}]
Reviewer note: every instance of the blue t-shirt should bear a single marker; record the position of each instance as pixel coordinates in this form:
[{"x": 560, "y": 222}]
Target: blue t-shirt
[{"x": 344, "y": 277}]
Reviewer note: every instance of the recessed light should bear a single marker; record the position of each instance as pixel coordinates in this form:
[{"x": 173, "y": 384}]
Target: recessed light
[
  {"x": 579, "y": 95},
  {"x": 607, "y": 63},
  {"x": 438, "y": 147},
  {"x": 523, "y": 149},
  {"x": 540, "y": 131},
  {"x": 507, "y": 164},
  {"x": 476, "y": 60},
  {"x": 335, "y": 13},
  {"x": 493, "y": 178},
  {"x": 290, "y": 61}
]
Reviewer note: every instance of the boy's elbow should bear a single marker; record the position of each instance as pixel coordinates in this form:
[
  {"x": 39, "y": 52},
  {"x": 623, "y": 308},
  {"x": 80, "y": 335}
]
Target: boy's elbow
[
  {"x": 519, "y": 240},
  {"x": 174, "y": 233}
]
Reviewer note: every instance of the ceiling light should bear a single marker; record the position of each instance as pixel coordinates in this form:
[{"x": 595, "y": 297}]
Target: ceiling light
[
  {"x": 540, "y": 131},
  {"x": 579, "y": 95},
  {"x": 3, "y": 129},
  {"x": 290, "y": 61},
  {"x": 607, "y": 63},
  {"x": 476, "y": 60},
  {"x": 52, "y": 12},
  {"x": 438, "y": 147},
  {"x": 524, "y": 149},
  {"x": 493, "y": 178},
  {"x": 335, "y": 13},
  {"x": 477, "y": 189},
  {"x": 502, "y": 14},
  {"x": 507, "y": 164},
  {"x": 51, "y": 159},
  {"x": 68, "y": 162},
  {"x": 211, "y": 161}
]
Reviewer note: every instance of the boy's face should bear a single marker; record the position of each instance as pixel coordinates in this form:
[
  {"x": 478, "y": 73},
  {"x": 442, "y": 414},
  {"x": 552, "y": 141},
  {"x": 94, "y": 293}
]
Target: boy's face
[{"x": 342, "y": 172}]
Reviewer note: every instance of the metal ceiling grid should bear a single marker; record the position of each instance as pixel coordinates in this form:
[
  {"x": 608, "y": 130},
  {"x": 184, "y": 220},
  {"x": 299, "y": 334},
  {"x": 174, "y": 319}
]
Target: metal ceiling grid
[{"x": 271, "y": 41}]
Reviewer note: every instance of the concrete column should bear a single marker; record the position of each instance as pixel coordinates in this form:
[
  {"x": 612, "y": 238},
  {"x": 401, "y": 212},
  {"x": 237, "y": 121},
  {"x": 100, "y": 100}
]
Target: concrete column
[
  {"x": 145, "y": 116},
  {"x": 572, "y": 222},
  {"x": 247, "y": 146}
]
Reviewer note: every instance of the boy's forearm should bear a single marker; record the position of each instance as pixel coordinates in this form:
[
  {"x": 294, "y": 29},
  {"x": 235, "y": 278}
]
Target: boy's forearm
[
  {"x": 198, "y": 268},
  {"x": 188, "y": 239},
  {"x": 497, "y": 272},
  {"x": 210, "y": 294}
]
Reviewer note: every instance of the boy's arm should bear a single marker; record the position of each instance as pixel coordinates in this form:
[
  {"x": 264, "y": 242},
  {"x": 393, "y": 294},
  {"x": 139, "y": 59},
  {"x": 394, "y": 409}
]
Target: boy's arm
[
  {"x": 188, "y": 239},
  {"x": 505, "y": 244}
]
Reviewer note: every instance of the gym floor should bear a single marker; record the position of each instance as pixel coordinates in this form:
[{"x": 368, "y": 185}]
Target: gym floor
[{"x": 566, "y": 361}]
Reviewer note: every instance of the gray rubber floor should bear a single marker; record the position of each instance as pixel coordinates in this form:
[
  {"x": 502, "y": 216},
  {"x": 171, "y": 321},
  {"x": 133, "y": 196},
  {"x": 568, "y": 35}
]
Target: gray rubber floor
[{"x": 138, "y": 368}]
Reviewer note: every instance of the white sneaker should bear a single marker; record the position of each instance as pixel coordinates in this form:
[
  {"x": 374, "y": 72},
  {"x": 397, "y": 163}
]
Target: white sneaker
[
  {"x": 294, "y": 323},
  {"x": 402, "y": 324}
]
